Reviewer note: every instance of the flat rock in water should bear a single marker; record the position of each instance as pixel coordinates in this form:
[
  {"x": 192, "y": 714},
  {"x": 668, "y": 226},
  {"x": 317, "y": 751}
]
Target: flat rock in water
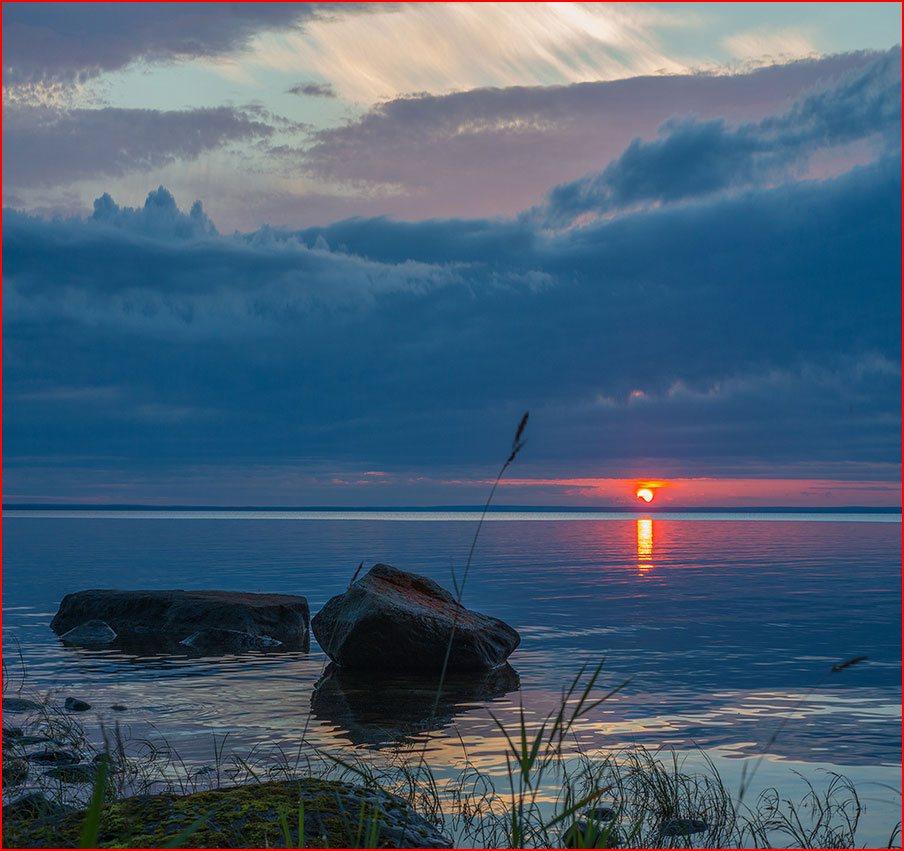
[
  {"x": 394, "y": 620},
  {"x": 90, "y": 633},
  {"x": 146, "y": 616},
  {"x": 73, "y": 704},
  {"x": 19, "y": 704},
  {"x": 246, "y": 817},
  {"x": 223, "y": 640}
]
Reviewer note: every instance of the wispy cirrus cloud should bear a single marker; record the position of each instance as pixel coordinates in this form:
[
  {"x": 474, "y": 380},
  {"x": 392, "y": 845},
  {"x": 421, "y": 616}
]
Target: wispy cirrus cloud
[
  {"x": 768, "y": 44},
  {"x": 454, "y": 46}
]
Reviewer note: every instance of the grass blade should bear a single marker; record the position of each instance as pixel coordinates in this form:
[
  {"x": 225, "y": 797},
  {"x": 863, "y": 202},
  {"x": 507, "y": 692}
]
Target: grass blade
[{"x": 91, "y": 827}]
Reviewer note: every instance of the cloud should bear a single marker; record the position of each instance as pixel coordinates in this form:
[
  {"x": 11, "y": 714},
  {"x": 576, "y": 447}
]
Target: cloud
[
  {"x": 497, "y": 151},
  {"x": 52, "y": 43},
  {"x": 46, "y": 146},
  {"x": 452, "y": 46},
  {"x": 691, "y": 157},
  {"x": 159, "y": 217},
  {"x": 756, "y": 327},
  {"x": 317, "y": 90},
  {"x": 767, "y": 44}
]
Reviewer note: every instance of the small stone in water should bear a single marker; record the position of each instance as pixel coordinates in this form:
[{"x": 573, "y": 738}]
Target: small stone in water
[
  {"x": 118, "y": 707},
  {"x": 682, "y": 827},
  {"x": 73, "y": 704},
  {"x": 601, "y": 814},
  {"x": 591, "y": 834},
  {"x": 73, "y": 773},
  {"x": 15, "y": 772},
  {"x": 54, "y": 757},
  {"x": 32, "y": 740}
]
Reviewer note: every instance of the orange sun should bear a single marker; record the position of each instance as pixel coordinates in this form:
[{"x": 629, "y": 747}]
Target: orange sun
[{"x": 645, "y": 494}]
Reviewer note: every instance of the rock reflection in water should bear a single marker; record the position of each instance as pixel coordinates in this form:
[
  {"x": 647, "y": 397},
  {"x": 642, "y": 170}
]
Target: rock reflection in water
[
  {"x": 378, "y": 707},
  {"x": 141, "y": 648}
]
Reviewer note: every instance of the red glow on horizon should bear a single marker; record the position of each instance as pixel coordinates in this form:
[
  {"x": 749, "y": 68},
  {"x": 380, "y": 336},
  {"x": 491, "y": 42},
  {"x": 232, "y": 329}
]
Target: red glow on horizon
[{"x": 704, "y": 491}]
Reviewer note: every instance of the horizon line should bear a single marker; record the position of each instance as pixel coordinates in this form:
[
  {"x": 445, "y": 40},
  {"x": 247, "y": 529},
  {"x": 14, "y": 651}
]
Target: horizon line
[{"x": 644, "y": 509}]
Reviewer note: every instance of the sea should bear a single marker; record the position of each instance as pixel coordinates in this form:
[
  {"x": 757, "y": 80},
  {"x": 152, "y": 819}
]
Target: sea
[{"x": 723, "y": 636}]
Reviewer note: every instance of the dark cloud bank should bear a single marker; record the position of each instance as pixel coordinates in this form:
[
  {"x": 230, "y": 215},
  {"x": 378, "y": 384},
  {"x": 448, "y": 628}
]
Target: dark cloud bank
[{"x": 760, "y": 325}]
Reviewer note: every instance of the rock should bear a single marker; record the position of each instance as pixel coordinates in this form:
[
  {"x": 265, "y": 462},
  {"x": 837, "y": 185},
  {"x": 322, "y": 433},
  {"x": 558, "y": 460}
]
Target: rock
[
  {"x": 90, "y": 633},
  {"x": 682, "y": 827},
  {"x": 223, "y": 640},
  {"x": 54, "y": 757},
  {"x": 32, "y": 740},
  {"x": 375, "y": 707},
  {"x": 591, "y": 833},
  {"x": 19, "y": 704},
  {"x": 73, "y": 773},
  {"x": 15, "y": 772},
  {"x": 118, "y": 707},
  {"x": 169, "y": 616},
  {"x": 28, "y": 808},
  {"x": 73, "y": 704},
  {"x": 246, "y": 817},
  {"x": 394, "y": 620},
  {"x": 600, "y": 813}
]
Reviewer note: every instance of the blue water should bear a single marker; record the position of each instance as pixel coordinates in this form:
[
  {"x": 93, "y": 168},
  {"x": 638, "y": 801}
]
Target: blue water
[{"x": 725, "y": 627}]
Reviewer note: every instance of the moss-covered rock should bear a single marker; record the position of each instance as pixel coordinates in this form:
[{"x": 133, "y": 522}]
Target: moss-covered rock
[{"x": 335, "y": 815}]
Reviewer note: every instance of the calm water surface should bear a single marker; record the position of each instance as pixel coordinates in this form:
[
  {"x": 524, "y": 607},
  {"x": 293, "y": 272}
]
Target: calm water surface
[{"x": 725, "y": 627}]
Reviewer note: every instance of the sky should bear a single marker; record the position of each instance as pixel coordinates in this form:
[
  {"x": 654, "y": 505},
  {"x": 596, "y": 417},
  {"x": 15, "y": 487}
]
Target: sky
[{"x": 328, "y": 254}]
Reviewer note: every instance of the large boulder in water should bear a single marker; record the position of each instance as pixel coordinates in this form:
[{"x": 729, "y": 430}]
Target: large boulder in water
[
  {"x": 394, "y": 620},
  {"x": 149, "y": 616}
]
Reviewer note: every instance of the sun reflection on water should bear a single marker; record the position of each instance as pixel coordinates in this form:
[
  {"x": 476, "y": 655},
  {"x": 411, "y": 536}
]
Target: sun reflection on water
[{"x": 645, "y": 544}]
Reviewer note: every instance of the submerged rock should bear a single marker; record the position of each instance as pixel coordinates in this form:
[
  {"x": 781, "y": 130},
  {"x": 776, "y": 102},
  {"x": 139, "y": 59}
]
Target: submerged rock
[
  {"x": 73, "y": 704},
  {"x": 15, "y": 772},
  {"x": 90, "y": 633},
  {"x": 682, "y": 827},
  {"x": 48, "y": 757},
  {"x": 223, "y": 640},
  {"x": 394, "y": 620},
  {"x": 19, "y": 704},
  {"x": 73, "y": 773},
  {"x": 246, "y": 817},
  {"x": 169, "y": 616},
  {"x": 375, "y": 707},
  {"x": 591, "y": 833}
]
